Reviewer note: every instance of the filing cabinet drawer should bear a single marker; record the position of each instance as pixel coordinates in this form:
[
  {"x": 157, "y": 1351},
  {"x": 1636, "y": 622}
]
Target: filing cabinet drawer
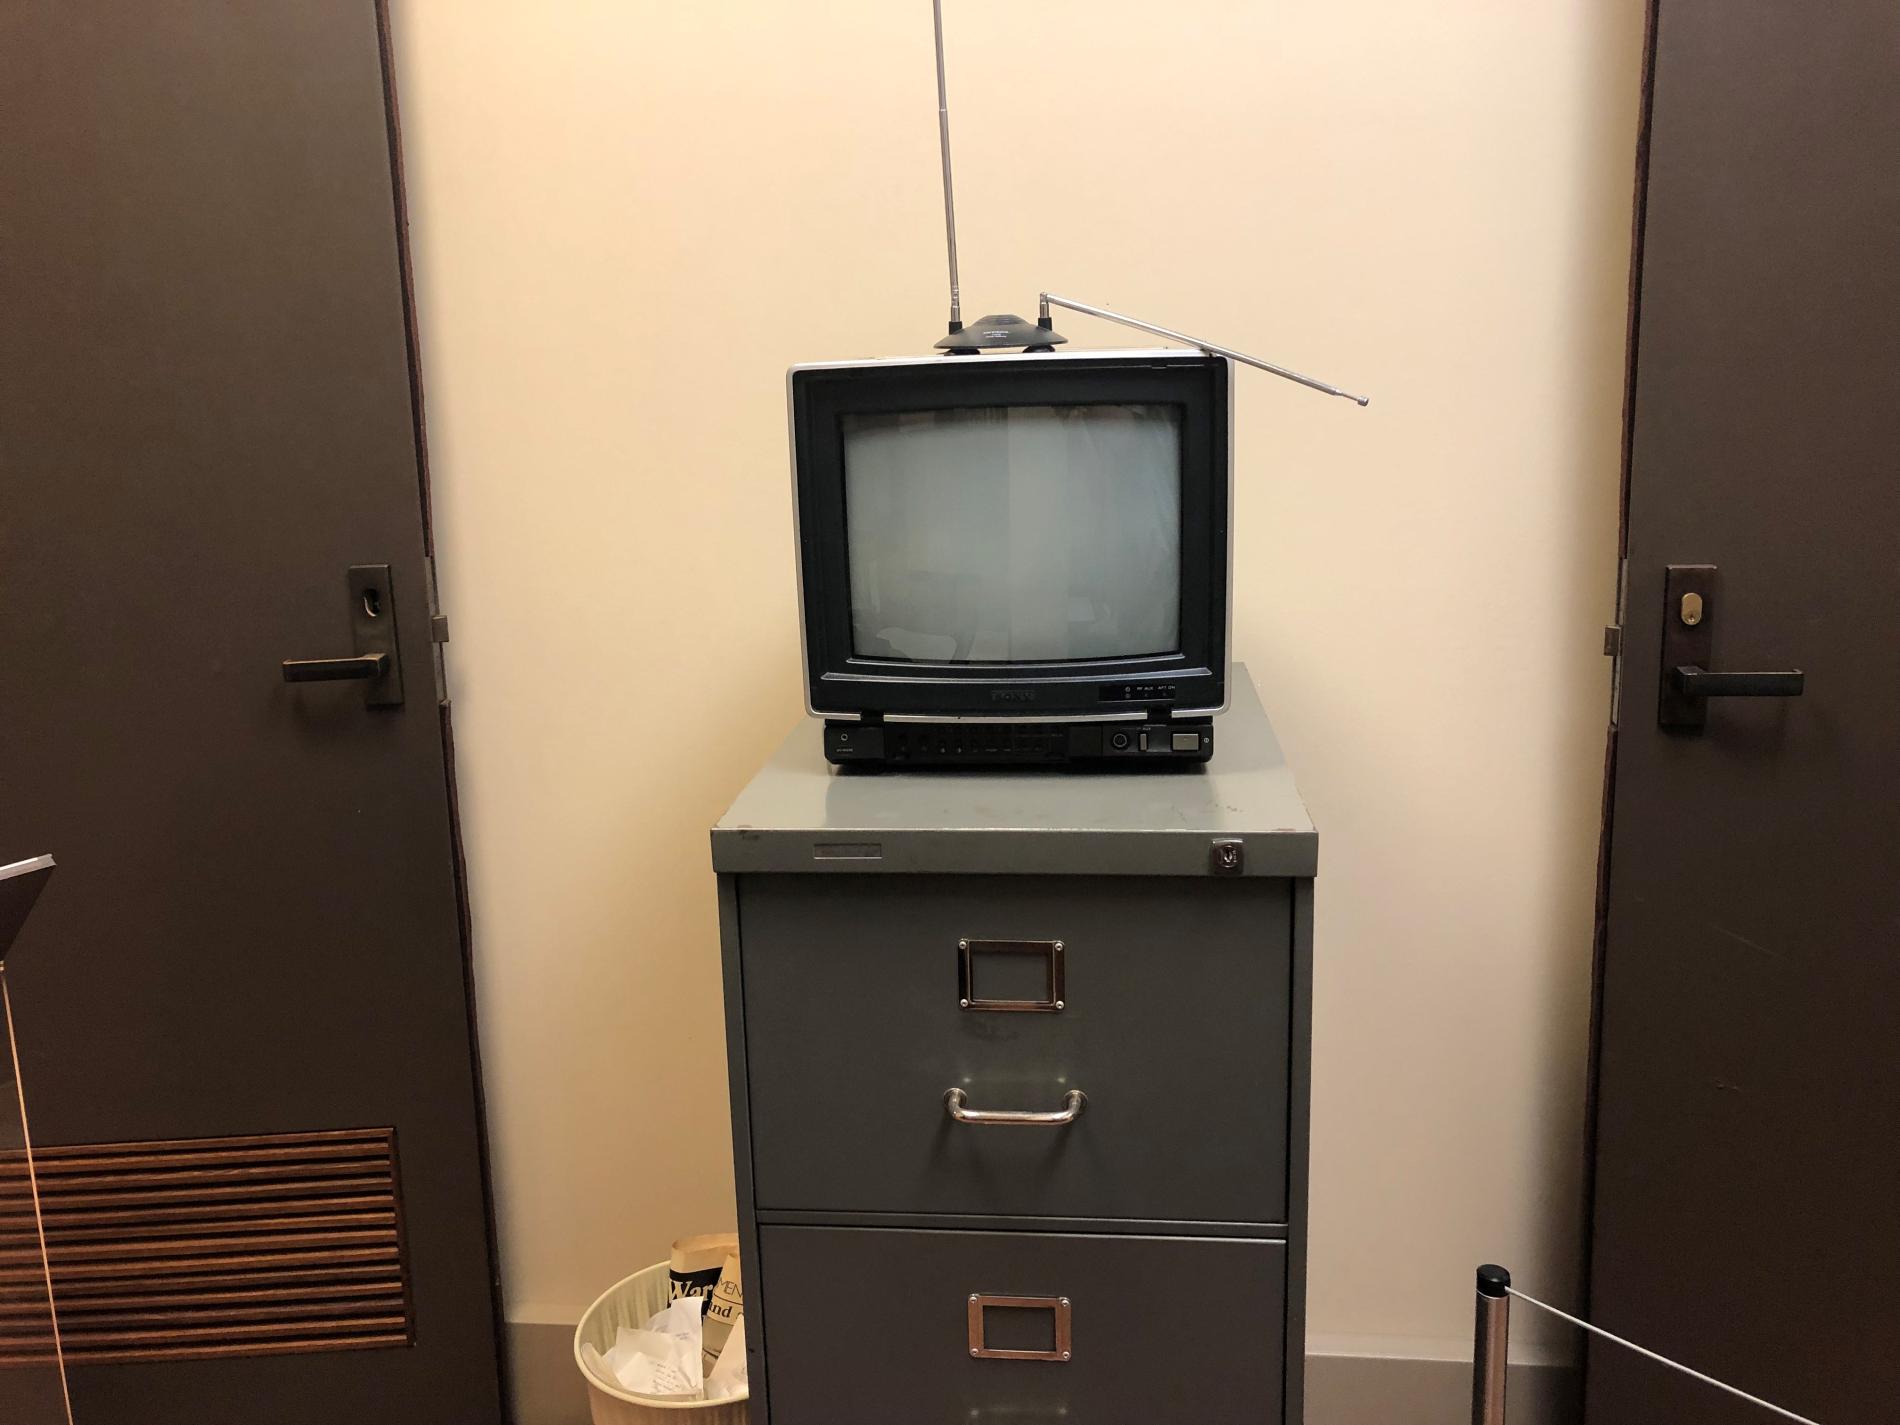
[
  {"x": 867, "y": 1326},
  {"x": 1173, "y": 1026}
]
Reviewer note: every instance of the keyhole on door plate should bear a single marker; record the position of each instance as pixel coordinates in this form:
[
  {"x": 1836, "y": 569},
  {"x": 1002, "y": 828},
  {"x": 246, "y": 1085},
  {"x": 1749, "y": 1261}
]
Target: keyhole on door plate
[{"x": 373, "y": 603}]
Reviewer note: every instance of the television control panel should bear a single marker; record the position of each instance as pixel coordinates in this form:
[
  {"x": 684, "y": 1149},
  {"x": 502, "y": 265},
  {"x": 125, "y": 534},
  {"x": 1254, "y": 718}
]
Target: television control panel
[{"x": 1118, "y": 746}]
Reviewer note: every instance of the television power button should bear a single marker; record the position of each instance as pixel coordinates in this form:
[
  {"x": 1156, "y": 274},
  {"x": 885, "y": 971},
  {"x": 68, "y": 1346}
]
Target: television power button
[{"x": 855, "y": 742}]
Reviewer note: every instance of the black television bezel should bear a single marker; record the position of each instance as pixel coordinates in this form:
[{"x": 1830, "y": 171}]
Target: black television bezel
[{"x": 1191, "y": 680}]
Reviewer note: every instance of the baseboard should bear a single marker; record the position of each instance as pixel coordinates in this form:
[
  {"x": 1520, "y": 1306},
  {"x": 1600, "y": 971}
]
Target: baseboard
[
  {"x": 1340, "y": 1389},
  {"x": 1408, "y": 1390},
  {"x": 542, "y": 1377}
]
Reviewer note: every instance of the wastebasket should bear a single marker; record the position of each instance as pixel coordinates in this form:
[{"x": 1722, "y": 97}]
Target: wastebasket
[{"x": 633, "y": 1303}]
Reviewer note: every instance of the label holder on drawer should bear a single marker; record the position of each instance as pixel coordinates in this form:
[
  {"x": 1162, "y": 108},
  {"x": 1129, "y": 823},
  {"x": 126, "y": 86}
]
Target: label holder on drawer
[
  {"x": 1051, "y": 950},
  {"x": 1058, "y": 1305}
]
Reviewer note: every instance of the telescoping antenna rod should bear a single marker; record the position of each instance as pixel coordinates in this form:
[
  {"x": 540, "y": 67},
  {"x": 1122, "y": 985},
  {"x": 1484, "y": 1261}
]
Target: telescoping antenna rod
[
  {"x": 949, "y": 193},
  {"x": 1049, "y": 299}
]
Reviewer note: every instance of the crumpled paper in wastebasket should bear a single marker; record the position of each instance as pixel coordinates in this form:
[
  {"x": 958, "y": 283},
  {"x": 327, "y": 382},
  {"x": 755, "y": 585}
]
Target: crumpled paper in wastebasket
[
  {"x": 664, "y": 1362},
  {"x": 728, "y": 1376}
]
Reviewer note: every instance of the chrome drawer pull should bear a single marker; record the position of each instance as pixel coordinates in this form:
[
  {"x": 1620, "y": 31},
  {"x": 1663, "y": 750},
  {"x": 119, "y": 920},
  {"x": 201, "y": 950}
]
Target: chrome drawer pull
[
  {"x": 1072, "y": 1104},
  {"x": 1057, "y": 1305}
]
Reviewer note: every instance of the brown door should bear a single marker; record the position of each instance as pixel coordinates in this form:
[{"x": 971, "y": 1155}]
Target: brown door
[
  {"x": 1747, "y": 1162},
  {"x": 243, "y": 1003}
]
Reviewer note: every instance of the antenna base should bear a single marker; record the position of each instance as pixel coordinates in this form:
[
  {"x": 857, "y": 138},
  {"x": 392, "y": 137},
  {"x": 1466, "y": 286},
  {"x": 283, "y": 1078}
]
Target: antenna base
[{"x": 1003, "y": 332}]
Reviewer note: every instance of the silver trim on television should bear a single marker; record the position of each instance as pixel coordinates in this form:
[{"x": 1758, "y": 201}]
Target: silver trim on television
[
  {"x": 798, "y": 548},
  {"x": 798, "y": 553},
  {"x": 1108, "y": 354},
  {"x": 1233, "y": 522},
  {"x": 1136, "y": 716}
]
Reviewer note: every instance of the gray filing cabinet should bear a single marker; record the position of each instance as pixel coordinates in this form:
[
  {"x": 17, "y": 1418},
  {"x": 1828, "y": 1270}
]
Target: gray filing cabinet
[{"x": 1125, "y": 961}]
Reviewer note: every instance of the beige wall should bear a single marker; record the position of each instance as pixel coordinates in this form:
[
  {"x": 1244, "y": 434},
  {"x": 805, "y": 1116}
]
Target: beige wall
[{"x": 631, "y": 216}]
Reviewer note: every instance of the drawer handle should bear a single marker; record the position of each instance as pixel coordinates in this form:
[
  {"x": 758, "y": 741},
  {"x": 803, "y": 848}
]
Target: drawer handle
[
  {"x": 1059, "y": 1305},
  {"x": 1072, "y": 1104}
]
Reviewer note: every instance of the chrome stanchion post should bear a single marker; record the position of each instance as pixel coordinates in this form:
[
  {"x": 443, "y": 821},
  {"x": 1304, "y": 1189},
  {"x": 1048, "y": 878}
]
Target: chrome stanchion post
[{"x": 1490, "y": 1346}]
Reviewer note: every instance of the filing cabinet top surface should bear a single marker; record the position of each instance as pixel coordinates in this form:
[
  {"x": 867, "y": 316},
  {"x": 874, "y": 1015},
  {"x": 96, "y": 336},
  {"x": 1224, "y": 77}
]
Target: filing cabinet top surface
[{"x": 801, "y": 814}]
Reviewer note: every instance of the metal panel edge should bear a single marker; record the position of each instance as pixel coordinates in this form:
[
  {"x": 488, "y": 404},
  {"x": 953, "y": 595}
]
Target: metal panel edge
[
  {"x": 1013, "y": 852},
  {"x": 733, "y": 976},
  {"x": 1299, "y": 1124},
  {"x": 1047, "y": 1226}
]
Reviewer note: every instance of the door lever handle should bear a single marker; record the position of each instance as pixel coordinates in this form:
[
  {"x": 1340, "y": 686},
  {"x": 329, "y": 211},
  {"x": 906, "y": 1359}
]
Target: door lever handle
[
  {"x": 1692, "y": 603},
  {"x": 328, "y": 670},
  {"x": 1694, "y": 682},
  {"x": 376, "y": 661}
]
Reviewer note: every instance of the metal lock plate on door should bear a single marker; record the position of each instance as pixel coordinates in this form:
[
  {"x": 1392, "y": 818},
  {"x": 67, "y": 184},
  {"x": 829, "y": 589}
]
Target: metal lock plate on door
[
  {"x": 377, "y": 659},
  {"x": 1691, "y": 603}
]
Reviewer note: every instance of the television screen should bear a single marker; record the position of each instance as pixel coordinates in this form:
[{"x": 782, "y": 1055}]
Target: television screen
[{"x": 1007, "y": 534}]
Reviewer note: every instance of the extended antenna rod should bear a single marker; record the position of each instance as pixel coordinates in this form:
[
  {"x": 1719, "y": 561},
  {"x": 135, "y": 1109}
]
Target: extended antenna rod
[
  {"x": 949, "y": 196},
  {"x": 1011, "y": 330},
  {"x": 1049, "y": 299}
]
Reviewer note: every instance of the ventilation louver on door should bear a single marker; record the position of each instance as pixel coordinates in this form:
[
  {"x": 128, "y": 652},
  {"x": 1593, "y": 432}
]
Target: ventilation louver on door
[{"x": 207, "y": 1247}]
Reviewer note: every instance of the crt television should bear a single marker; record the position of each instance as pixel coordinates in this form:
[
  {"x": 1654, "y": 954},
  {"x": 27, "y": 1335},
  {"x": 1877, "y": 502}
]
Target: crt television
[{"x": 1015, "y": 559}]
